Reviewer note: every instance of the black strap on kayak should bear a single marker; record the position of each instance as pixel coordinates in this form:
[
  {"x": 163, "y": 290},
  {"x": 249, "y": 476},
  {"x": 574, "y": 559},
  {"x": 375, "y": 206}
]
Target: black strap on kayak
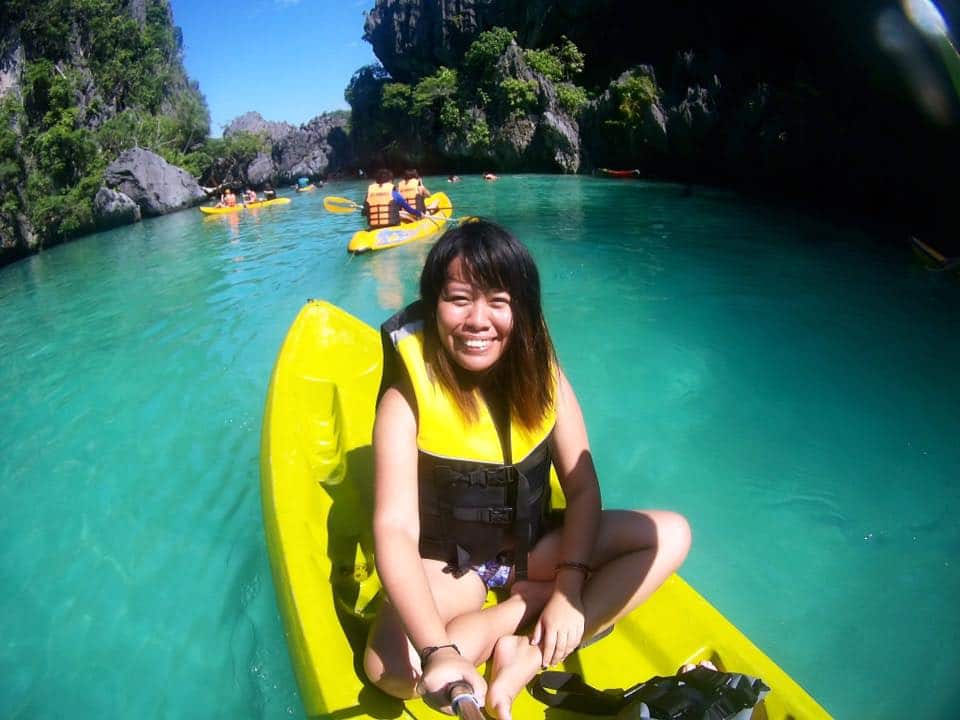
[
  {"x": 699, "y": 694},
  {"x": 569, "y": 691}
]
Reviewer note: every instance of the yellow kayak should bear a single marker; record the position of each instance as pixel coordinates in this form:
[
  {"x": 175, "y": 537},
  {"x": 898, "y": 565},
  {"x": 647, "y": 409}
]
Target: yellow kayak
[
  {"x": 307, "y": 188},
  {"x": 395, "y": 235},
  {"x": 240, "y": 206},
  {"x": 316, "y": 486}
]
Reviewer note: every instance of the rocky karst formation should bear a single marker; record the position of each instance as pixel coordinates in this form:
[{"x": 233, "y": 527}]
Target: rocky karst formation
[
  {"x": 151, "y": 183},
  {"x": 838, "y": 104},
  {"x": 316, "y": 148},
  {"x": 69, "y": 106}
]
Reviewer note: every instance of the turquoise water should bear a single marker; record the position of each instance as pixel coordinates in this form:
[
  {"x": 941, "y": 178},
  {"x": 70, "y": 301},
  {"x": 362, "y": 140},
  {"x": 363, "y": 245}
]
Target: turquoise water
[{"x": 790, "y": 386}]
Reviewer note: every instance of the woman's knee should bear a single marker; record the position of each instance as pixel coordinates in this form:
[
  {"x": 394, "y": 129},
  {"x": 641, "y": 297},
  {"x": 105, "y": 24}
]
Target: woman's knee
[
  {"x": 674, "y": 536},
  {"x": 665, "y": 532}
]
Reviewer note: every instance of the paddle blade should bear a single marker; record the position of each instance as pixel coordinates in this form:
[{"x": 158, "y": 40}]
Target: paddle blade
[{"x": 334, "y": 204}]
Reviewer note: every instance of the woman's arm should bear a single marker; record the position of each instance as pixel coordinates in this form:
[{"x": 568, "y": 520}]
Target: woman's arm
[
  {"x": 560, "y": 628},
  {"x": 396, "y": 521},
  {"x": 578, "y": 477},
  {"x": 396, "y": 532}
]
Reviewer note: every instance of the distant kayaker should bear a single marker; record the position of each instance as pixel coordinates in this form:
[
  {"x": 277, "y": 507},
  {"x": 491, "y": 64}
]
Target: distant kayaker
[
  {"x": 490, "y": 176},
  {"x": 476, "y": 409},
  {"x": 383, "y": 202},
  {"x": 249, "y": 196},
  {"x": 269, "y": 193},
  {"x": 453, "y": 178},
  {"x": 227, "y": 199}
]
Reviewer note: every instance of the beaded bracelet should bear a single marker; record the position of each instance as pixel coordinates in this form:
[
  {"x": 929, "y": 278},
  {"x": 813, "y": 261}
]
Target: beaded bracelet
[
  {"x": 431, "y": 649},
  {"x": 571, "y": 565}
]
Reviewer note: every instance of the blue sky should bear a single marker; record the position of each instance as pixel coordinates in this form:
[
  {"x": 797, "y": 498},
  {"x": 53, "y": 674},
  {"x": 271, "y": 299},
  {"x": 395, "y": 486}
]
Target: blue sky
[{"x": 289, "y": 60}]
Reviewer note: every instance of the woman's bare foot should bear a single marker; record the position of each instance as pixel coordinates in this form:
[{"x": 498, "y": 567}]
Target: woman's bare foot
[{"x": 515, "y": 662}]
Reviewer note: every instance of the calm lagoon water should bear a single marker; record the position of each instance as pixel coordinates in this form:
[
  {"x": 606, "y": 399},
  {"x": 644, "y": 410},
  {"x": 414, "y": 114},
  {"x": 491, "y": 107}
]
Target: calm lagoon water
[{"x": 790, "y": 386}]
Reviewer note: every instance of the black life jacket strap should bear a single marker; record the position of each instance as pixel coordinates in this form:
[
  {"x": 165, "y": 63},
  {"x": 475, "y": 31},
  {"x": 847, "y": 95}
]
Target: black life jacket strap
[
  {"x": 500, "y": 414},
  {"x": 521, "y": 525}
]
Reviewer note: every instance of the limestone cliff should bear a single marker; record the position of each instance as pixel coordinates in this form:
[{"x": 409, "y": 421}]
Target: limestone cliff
[
  {"x": 80, "y": 82},
  {"x": 798, "y": 99},
  {"x": 318, "y": 147}
]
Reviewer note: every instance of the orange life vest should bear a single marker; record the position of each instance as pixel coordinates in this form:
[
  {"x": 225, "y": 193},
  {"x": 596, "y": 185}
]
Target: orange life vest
[
  {"x": 379, "y": 198},
  {"x": 410, "y": 189}
]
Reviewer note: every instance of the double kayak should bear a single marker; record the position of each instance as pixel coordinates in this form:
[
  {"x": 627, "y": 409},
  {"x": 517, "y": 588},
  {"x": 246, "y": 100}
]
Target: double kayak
[
  {"x": 396, "y": 235},
  {"x": 241, "y": 206},
  {"x": 316, "y": 475}
]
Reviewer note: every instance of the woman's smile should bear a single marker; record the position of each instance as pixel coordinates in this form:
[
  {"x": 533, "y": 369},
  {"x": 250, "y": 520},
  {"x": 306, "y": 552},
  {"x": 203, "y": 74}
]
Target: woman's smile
[{"x": 475, "y": 345}]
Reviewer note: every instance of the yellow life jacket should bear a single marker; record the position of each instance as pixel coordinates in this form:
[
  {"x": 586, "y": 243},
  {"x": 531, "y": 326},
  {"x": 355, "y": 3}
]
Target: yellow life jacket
[
  {"x": 484, "y": 488},
  {"x": 380, "y": 199}
]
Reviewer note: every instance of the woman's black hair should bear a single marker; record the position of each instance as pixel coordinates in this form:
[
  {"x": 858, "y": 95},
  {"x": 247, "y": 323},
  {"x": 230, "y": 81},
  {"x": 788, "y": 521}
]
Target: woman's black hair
[
  {"x": 493, "y": 259},
  {"x": 383, "y": 176}
]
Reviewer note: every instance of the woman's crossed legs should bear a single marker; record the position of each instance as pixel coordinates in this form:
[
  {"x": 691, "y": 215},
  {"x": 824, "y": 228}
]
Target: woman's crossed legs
[{"x": 635, "y": 552}]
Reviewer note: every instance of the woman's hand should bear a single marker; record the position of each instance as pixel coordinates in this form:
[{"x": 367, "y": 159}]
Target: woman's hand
[
  {"x": 443, "y": 669},
  {"x": 559, "y": 630}
]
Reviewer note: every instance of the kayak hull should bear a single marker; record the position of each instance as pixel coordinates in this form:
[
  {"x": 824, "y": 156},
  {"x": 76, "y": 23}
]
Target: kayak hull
[
  {"x": 238, "y": 207},
  {"x": 397, "y": 235},
  {"x": 619, "y": 173},
  {"x": 316, "y": 491}
]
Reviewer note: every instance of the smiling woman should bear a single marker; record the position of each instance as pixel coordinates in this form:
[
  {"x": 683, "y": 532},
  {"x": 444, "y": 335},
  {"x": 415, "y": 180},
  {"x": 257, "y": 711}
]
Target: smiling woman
[{"x": 466, "y": 437}]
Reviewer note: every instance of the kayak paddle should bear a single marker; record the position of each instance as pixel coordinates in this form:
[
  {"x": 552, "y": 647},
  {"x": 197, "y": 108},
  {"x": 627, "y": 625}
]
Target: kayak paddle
[{"x": 334, "y": 204}]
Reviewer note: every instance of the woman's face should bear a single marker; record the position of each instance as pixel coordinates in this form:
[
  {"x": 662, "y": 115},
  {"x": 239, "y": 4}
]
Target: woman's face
[{"x": 474, "y": 326}]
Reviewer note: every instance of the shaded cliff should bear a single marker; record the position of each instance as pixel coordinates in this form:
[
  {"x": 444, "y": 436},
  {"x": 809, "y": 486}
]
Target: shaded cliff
[{"x": 849, "y": 105}]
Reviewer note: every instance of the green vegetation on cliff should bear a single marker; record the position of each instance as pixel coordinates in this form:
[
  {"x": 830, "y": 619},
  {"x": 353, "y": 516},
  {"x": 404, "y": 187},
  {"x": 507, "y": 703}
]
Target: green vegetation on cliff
[
  {"x": 97, "y": 77},
  {"x": 87, "y": 64},
  {"x": 451, "y": 113}
]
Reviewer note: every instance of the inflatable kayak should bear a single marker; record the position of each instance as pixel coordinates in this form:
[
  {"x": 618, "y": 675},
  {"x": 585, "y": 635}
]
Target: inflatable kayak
[
  {"x": 619, "y": 173},
  {"x": 307, "y": 188},
  {"x": 316, "y": 468},
  {"x": 395, "y": 235},
  {"x": 239, "y": 206}
]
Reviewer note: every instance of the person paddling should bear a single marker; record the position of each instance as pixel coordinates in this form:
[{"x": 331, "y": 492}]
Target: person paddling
[
  {"x": 412, "y": 189},
  {"x": 227, "y": 199},
  {"x": 384, "y": 202}
]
